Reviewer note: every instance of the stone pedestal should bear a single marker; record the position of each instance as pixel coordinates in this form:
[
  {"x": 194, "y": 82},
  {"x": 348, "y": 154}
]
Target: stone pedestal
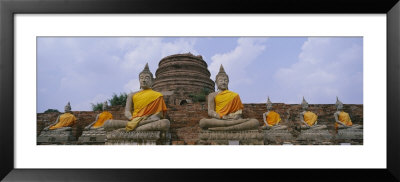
[
  {"x": 314, "y": 137},
  {"x": 352, "y": 136},
  {"x": 121, "y": 137},
  {"x": 91, "y": 137},
  {"x": 277, "y": 136},
  {"x": 55, "y": 137},
  {"x": 249, "y": 137}
]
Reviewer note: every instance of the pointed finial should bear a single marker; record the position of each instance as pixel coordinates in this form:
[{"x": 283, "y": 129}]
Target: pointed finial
[
  {"x": 338, "y": 102},
  {"x": 221, "y": 69},
  {"x": 221, "y": 72},
  {"x": 304, "y": 103},
  {"x": 146, "y": 70},
  {"x": 268, "y": 101}
]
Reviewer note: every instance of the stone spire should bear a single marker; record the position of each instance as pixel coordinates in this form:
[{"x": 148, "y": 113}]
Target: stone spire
[
  {"x": 304, "y": 103},
  {"x": 338, "y": 103},
  {"x": 146, "y": 70},
  {"x": 67, "y": 107},
  {"x": 269, "y": 103},
  {"x": 221, "y": 72}
]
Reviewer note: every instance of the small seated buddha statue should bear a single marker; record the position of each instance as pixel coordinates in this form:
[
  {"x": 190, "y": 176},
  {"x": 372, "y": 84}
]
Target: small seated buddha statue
[
  {"x": 144, "y": 109},
  {"x": 101, "y": 118},
  {"x": 342, "y": 118},
  {"x": 64, "y": 121},
  {"x": 225, "y": 109},
  {"x": 308, "y": 119},
  {"x": 272, "y": 119}
]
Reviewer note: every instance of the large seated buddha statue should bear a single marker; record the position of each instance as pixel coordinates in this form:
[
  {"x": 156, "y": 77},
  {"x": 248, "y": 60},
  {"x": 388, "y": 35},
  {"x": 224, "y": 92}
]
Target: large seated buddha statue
[
  {"x": 342, "y": 118},
  {"x": 144, "y": 109},
  {"x": 272, "y": 119},
  {"x": 225, "y": 109},
  {"x": 64, "y": 121},
  {"x": 101, "y": 118},
  {"x": 308, "y": 119}
]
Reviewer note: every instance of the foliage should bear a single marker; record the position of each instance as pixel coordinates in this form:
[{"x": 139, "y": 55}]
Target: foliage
[
  {"x": 200, "y": 97},
  {"x": 97, "y": 107},
  {"x": 51, "y": 110},
  {"x": 118, "y": 100}
]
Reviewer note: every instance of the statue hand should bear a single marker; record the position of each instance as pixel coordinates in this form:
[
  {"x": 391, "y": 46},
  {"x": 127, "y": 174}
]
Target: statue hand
[
  {"x": 87, "y": 128},
  {"x": 225, "y": 117}
]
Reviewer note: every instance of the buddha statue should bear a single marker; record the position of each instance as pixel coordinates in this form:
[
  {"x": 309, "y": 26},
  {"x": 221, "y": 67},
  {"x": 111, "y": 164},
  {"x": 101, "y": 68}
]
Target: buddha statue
[
  {"x": 272, "y": 119},
  {"x": 101, "y": 118},
  {"x": 144, "y": 109},
  {"x": 64, "y": 121},
  {"x": 225, "y": 109},
  {"x": 308, "y": 119},
  {"x": 342, "y": 118}
]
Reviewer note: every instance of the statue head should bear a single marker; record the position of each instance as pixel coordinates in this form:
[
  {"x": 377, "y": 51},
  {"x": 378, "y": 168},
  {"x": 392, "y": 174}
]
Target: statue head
[
  {"x": 269, "y": 104},
  {"x": 222, "y": 79},
  {"x": 339, "y": 105},
  {"x": 105, "y": 105},
  {"x": 304, "y": 104},
  {"x": 146, "y": 78},
  {"x": 67, "y": 107}
]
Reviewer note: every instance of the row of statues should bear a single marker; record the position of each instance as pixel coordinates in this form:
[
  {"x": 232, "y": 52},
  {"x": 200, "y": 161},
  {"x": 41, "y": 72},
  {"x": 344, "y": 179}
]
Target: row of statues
[{"x": 145, "y": 110}]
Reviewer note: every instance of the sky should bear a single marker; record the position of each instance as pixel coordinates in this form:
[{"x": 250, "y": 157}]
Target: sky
[{"x": 89, "y": 70}]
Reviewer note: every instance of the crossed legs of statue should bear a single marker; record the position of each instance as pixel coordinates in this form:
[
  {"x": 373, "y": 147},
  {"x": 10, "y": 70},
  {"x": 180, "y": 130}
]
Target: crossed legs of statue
[
  {"x": 232, "y": 125},
  {"x": 145, "y": 125},
  {"x": 276, "y": 127},
  {"x": 353, "y": 127},
  {"x": 315, "y": 127}
]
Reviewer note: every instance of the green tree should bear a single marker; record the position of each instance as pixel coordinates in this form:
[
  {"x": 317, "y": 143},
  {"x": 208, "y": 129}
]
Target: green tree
[
  {"x": 97, "y": 106},
  {"x": 118, "y": 100},
  {"x": 200, "y": 97},
  {"x": 51, "y": 110}
]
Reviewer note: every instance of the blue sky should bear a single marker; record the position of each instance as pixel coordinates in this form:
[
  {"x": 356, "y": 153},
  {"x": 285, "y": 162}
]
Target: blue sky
[{"x": 85, "y": 70}]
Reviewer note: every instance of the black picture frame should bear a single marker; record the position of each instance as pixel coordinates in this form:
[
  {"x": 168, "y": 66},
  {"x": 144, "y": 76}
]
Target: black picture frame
[{"x": 8, "y": 8}]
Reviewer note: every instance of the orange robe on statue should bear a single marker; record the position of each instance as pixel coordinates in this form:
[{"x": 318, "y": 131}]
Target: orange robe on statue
[
  {"x": 273, "y": 118},
  {"x": 227, "y": 102},
  {"x": 146, "y": 103},
  {"x": 344, "y": 118},
  {"x": 65, "y": 120},
  {"x": 103, "y": 117},
  {"x": 310, "y": 118}
]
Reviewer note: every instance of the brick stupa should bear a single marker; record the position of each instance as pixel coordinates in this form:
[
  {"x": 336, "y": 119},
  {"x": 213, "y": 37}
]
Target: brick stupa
[{"x": 180, "y": 75}]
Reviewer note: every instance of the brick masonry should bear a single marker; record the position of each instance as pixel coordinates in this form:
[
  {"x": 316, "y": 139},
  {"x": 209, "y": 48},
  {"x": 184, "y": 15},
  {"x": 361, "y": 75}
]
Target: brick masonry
[{"x": 185, "y": 118}]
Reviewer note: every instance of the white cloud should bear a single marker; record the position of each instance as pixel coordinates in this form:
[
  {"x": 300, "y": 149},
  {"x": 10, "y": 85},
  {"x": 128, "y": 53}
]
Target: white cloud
[
  {"x": 132, "y": 85},
  {"x": 236, "y": 60},
  {"x": 327, "y": 67}
]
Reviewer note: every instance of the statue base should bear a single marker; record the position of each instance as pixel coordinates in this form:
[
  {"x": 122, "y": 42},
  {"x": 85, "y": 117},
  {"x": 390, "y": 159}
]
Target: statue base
[
  {"x": 55, "y": 137},
  {"x": 91, "y": 137},
  {"x": 314, "y": 137},
  {"x": 248, "y": 137},
  {"x": 121, "y": 137},
  {"x": 277, "y": 136},
  {"x": 353, "y": 136}
]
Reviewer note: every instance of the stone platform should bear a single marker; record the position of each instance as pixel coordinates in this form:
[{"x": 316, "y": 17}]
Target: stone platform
[
  {"x": 91, "y": 137},
  {"x": 55, "y": 137},
  {"x": 351, "y": 136},
  {"x": 121, "y": 137},
  {"x": 249, "y": 137},
  {"x": 277, "y": 136},
  {"x": 315, "y": 137}
]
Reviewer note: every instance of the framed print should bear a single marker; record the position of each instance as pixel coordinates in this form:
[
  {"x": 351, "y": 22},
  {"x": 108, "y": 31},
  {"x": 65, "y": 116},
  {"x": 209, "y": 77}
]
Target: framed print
[{"x": 28, "y": 27}]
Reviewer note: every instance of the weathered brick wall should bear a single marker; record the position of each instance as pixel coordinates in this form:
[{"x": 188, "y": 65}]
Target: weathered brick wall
[{"x": 184, "y": 118}]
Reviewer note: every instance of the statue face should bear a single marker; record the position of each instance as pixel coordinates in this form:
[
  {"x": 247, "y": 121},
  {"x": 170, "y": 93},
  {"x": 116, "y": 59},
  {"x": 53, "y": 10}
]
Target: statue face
[
  {"x": 304, "y": 106},
  {"x": 145, "y": 80},
  {"x": 269, "y": 106},
  {"x": 339, "y": 106},
  {"x": 67, "y": 108},
  {"x": 222, "y": 82}
]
